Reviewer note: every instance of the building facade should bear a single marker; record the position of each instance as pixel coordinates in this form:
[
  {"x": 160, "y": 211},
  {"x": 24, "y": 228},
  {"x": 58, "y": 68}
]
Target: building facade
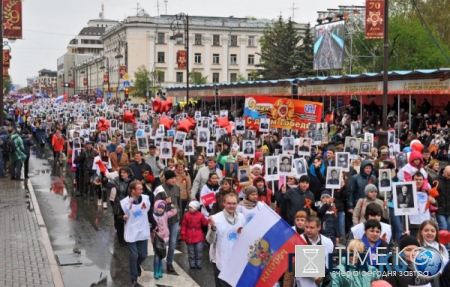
[
  {"x": 47, "y": 81},
  {"x": 221, "y": 49}
]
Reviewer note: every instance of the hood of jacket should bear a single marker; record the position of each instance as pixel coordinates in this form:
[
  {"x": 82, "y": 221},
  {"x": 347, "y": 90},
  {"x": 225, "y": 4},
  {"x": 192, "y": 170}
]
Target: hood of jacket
[
  {"x": 415, "y": 155},
  {"x": 365, "y": 163}
]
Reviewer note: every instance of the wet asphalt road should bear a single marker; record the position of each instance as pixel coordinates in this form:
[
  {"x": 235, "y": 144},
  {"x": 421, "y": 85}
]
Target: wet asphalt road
[{"x": 82, "y": 235}]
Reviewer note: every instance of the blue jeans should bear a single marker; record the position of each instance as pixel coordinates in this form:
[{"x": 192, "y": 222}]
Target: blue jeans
[
  {"x": 397, "y": 225},
  {"x": 172, "y": 241},
  {"x": 195, "y": 252},
  {"x": 443, "y": 221},
  {"x": 16, "y": 167},
  {"x": 341, "y": 218},
  {"x": 137, "y": 252}
]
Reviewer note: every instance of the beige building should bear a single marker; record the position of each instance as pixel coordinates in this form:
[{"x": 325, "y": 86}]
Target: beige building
[{"x": 223, "y": 49}]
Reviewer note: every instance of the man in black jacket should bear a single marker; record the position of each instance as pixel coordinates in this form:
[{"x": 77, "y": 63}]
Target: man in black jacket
[
  {"x": 138, "y": 166},
  {"x": 86, "y": 160},
  {"x": 27, "y": 143}
]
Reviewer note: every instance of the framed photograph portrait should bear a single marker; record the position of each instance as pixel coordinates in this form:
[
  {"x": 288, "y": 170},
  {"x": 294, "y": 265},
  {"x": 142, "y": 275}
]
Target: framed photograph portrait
[
  {"x": 240, "y": 126},
  {"x": 221, "y": 135},
  {"x": 286, "y": 132},
  {"x": 405, "y": 198},
  {"x": 166, "y": 150},
  {"x": 142, "y": 143},
  {"x": 352, "y": 146},
  {"x": 113, "y": 123},
  {"x": 301, "y": 166},
  {"x": 264, "y": 125},
  {"x": 343, "y": 161},
  {"x": 197, "y": 115},
  {"x": 285, "y": 164},
  {"x": 203, "y": 136},
  {"x": 158, "y": 141},
  {"x": 334, "y": 178},
  {"x": 204, "y": 123},
  {"x": 365, "y": 147},
  {"x": 401, "y": 159},
  {"x": 179, "y": 139},
  {"x": 248, "y": 148},
  {"x": 384, "y": 180},
  {"x": 271, "y": 166},
  {"x": 288, "y": 144},
  {"x": 104, "y": 137},
  {"x": 244, "y": 175},
  {"x": 231, "y": 170},
  {"x": 249, "y": 134},
  {"x": 223, "y": 113},
  {"x": 188, "y": 147},
  {"x": 368, "y": 137},
  {"x": 211, "y": 148},
  {"x": 160, "y": 131},
  {"x": 304, "y": 147}
]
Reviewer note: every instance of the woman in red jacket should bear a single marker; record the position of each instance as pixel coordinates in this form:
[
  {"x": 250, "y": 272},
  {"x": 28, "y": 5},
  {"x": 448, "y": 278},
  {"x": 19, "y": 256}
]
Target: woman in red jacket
[
  {"x": 264, "y": 193},
  {"x": 192, "y": 234},
  {"x": 58, "y": 143}
]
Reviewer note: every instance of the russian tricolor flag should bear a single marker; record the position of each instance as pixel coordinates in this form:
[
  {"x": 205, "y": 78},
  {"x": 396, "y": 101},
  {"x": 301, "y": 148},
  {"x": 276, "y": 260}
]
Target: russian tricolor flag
[
  {"x": 61, "y": 98},
  {"x": 261, "y": 253}
]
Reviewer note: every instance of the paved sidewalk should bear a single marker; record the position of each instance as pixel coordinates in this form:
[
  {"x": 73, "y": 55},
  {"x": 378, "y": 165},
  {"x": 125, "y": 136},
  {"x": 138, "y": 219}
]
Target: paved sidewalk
[{"x": 23, "y": 254}]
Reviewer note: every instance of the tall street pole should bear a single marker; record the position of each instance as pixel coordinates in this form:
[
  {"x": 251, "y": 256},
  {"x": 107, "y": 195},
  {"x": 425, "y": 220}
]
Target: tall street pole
[
  {"x": 385, "y": 65},
  {"x": 1, "y": 61},
  {"x": 186, "y": 22}
]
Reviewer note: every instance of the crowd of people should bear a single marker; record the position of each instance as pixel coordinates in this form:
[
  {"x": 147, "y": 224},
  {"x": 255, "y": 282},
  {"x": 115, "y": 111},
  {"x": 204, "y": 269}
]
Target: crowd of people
[{"x": 334, "y": 183}]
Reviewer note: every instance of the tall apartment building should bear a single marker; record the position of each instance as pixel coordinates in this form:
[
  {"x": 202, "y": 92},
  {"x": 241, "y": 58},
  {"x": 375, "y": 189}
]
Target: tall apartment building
[{"x": 220, "y": 48}]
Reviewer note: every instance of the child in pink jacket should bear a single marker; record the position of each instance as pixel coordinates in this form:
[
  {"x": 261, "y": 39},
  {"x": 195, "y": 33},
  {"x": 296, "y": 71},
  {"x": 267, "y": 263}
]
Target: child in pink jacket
[{"x": 161, "y": 216}]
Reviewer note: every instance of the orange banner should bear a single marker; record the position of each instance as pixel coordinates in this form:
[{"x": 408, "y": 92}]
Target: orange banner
[
  {"x": 6, "y": 58},
  {"x": 85, "y": 81},
  {"x": 105, "y": 79},
  {"x": 283, "y": 113},
  {"x": 12, "y": 19},
  {"x": 181, "y": 59},
  {"x": 374, "y": 19},
  {"x": 123, "y": 71},
  {"x": 71, "y": 84}
]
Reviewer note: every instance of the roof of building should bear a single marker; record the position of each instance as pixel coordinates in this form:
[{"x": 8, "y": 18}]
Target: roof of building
[{"x": 93, "y": 31}]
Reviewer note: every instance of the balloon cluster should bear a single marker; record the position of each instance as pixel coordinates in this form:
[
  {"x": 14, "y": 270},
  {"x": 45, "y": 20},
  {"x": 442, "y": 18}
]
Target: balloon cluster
[
  {"x": 128, "y": 117},
  {"x": 186, "y": 124},
  {"x": 166, "y": 122},
  {"x": 416, "y": 145},
  {"x": 224, "y": 123},
  {"x": 103, "y": 124},
  {"x": 162, "y": 106}
]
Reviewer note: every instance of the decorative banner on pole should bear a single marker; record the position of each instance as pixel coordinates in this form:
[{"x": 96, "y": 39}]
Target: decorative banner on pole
[
  {"x": 6, "y": 58},
  {"x": 283, "y": 113},
  {"x": 5, "y": 72},
  {"x": 374, "y": 19},
  {"x": 105, "y": 79},
  {"x": 12, "y": 19},
  {"x": 85, "y": 81},
  {"x": 72, "y": 83},
  {"x": 123, "y": 71},
  {"x": 181, "y": 59}
]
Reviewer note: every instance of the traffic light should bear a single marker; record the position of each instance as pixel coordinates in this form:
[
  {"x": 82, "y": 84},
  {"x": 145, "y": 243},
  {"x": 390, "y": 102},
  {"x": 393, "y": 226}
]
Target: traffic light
[
  {"x": 216, "y": 90},
  {"x": 127, "y": 92}
]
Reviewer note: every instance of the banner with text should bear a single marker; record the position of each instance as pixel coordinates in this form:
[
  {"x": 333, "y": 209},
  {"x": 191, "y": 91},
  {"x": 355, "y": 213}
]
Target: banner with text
[
  {"x": 374, "y": 19},
  {"x": 12, "y": 19},
  {"x": 283, "y": 113}
]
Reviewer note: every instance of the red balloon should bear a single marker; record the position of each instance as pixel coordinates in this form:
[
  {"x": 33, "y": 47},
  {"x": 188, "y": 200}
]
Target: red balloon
[
  {"x": 128, "y": 117},
  {"x": 103, "y": 124},
  {"x": 185, "y": 126},
  {"x": 157, "y": 105},
  {"x": 166, "y": 106},
  {"x": 444, "y": 236},
  {"x": 194, "y": 122},
  {"x": 417, "y": 146},
  {"x": 223, "y": 122},
  {"x": 230, "y": 128},
  {"x": 166, "y": 122}
]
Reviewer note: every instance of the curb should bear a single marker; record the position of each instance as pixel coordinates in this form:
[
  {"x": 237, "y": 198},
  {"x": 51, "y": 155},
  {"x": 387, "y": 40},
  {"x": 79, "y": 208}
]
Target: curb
[{"x": 54, "y": 267}]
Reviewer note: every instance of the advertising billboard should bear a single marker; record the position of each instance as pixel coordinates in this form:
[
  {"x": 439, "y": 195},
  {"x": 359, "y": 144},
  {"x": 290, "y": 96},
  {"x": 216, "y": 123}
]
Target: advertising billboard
[{"x": 329, "y": 45}]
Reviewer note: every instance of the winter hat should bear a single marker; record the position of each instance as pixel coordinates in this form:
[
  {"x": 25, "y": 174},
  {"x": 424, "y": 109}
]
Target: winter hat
[
  {"x": 160, "y": 204},
  {"x": 304, "y": 178},
  {"x": 168, "y": 174},
  {"x": 258, "y": 179},
  {"x": 195, "y": 205},
  {"x": 407, "y": 240},
  {"x": 324, "y": 194},
  {"x": 257, "y": 155},
  {"x": 369, "y": 188},
  {"x": 258, "y": 166},
  {"x": 249, "y": 190}
]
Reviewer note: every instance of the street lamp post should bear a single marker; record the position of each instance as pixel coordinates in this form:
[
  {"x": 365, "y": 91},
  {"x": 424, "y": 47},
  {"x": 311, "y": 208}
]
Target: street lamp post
[
  {"x": 107, "y": 73},
  {"x": 180, "y": 23}
]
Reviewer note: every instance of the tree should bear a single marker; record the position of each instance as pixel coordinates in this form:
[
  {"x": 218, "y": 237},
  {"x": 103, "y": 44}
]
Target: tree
[
  {"x": 240, "y": 78},
  {"x": 196, "y": 78},
  {"x": 142, "y": 82},
  {"x": 280, "y": 51},
  {"x": 306, "y": 53},
  {"x": 7, "y": 82}
]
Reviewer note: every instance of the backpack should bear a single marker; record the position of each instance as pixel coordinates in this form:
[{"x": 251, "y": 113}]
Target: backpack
[{"x": 10, "y": 145}]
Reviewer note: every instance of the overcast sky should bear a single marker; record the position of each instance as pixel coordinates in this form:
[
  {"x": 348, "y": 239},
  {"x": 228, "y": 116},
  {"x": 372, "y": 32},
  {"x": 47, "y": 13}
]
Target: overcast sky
[{"x": 49, "y": 25}]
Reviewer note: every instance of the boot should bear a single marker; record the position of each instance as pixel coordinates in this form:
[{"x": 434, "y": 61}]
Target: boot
[
  {"x": 160, "y": 271},
  {"x": 156, "y": 272}
]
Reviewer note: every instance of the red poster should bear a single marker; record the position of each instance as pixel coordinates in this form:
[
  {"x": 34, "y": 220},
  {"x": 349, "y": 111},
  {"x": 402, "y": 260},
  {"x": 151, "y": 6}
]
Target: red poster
[
  {"x": 374, "y": 19},
  {"x": 105, "y": 79},
  {"x": 123, "y": 71},
  {"x": 208, "y": 199},
  {"x": 85, "y": 81},
  {"x": 181, "y": 59},
  {"x": 6, "y": 58},
  {"x": 284, "y": 113},
  {"x": 71, "y": 84},
  {"x": 12, "y": 19}
]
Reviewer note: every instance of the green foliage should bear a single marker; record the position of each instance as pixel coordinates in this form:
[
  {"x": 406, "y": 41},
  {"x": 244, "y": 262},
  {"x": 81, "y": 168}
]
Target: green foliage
[
  {"x": 240, "y": 78},
  {"x": 307, "y": 54},
  {"x": 142, "y": 82},
  {"x": 7, "y": 82},
  {"x": 196, "y": 78}
]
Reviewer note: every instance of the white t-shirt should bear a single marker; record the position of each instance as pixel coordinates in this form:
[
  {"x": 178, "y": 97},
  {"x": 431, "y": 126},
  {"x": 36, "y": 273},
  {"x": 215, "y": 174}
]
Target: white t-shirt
[
  {"x": 137, "y": 227},
  {"x": 422, "y": 199}
]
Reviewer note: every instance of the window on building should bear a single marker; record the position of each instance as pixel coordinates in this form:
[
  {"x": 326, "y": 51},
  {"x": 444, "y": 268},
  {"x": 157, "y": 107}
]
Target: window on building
[
  {"x": 251, "y": 41},
  {"x": 179, "y": 77},
  {"x": 161, "y": 76},
  {"x": 161, "y": 58},
  {"x": 161, "y": 38},
  {"x": 234, "y": 40},
  {"x": 251, "y": 59},
  {"x": 216, "y": 40},
  {"x": 233, "y": 77},
  {"x": 215, "y": 77},
  {"x": 233, "y": 59},
  {"x": 249, "y": 77},
  {"x": 216, "y": 59},
  {"x": 198, "y": 39},
  {"x": 198, "y": 58}
]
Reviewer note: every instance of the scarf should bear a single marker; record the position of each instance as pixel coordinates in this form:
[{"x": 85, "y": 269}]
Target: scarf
[
  {"x": 225, "y": 152},
  {"x": 231, "y": 219},
  {"x": 312, "y": 170},
  {"x": 248, "y": 204},
  {"x": 373, "y": 249},
  {"x": 299, "y": 231},
  {"x": 197, "y": 167}
]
